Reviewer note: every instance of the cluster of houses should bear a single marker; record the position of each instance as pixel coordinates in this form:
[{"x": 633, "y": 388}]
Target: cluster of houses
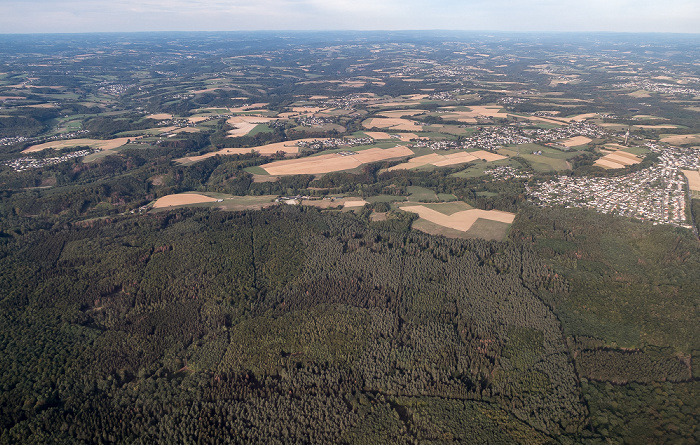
[
  {"x": 22, "y": 139},
  {"x": 508, "y": 100},
  {"x": 116, "y": 89},
  {"x": 332, "y": 143},
  {"x": 573, "y": 129},
  {"x": 28, "y": 163},
  {"x": 656, "y": 194},
  {"x": 663, "y": 88},
  {"x": 505, "y": 173}
]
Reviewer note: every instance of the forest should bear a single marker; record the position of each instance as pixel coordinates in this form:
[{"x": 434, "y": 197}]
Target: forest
[{"x": 295, "y": 325}]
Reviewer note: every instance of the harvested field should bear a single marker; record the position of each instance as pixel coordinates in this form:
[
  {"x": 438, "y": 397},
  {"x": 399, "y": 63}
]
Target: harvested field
[
  {"x": 487, "y": 155},
  {"x": 461, "y": 220},
  {"x": 401, "y": 113},
  {"x": 693, "y": 179},
  {"x": 403, "y": 137},
  {"x": 392, "y": 124},
  {"x": 439, "y": 160},
  {"x": 377, "y": 135},
  {"x": 181, "y": 199},
  {"x": 575, "y": 141},
  {"x": 108, "y": 144},
  {"x": 187, "y": 130},
  {"x": 246, "y": 124},
  {"x": 580, "y": 117},
  {"x": 256, "y": 106},
  {"x": 334, "y": 203},
  {"x": 264, "y": 150},
  {"x": 618, "y": 159},
  {"x": 333, "y": 162},
  {"x": 160, "y": 116},
  {"x": 354, "y": 203},
  {"x": 682, "y": 139},
  {"x": 652, "y": 127}
]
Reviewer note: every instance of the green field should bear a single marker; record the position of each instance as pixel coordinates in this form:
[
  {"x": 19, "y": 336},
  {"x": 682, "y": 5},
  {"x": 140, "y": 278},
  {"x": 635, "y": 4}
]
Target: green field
[
  {"x": 488, "y": 229},
  {"x": 417, "y": 194}
]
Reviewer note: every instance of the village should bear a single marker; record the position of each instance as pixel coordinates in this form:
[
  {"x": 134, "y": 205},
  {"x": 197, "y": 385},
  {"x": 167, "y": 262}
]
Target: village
[
  {"x": 657, "y": 194},
  {"x": 28, "y": 163}
]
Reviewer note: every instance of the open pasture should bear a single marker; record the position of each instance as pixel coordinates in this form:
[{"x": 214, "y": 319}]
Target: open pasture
[{"x": 334, "y": 162}]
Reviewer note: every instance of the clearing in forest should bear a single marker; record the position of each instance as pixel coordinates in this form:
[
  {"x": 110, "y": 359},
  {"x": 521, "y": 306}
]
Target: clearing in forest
[
  {"x": 461, "y": 221},
  {"x": 334, "y": 162}
]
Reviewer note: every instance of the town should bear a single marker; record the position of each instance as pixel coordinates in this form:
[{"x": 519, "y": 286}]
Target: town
[{"x": 656, "y": 194}]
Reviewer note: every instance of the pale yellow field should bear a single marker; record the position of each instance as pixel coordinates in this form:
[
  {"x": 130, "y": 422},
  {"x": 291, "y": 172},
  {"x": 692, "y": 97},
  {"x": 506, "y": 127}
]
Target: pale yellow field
[
  {"x": 607, "y": 164},
  {"x": 318, "y": 97},
  {"x": 580, "y": 117},
  {"x": 439, "y": 160},
  {"x": 377, "y": 135},
  {"x": 461, "y": 220},
  {"x": 575, "y": 141},
  {"x": 655, "y": 126},
  {"x": 108, "y": 144},
  {"x": 256, "y": 106},
  {"x": 680, "y": 139},
  {"x": 395, "y": 104},
  {"x": 487, "y": 155},
  {"x": 392, "y": 124},
  {"x": 333, "y": 162},
  {"x": 246, "y": 124},
  {"x": 264, "y": 150},
  {"x": 354, "y": 203},
  {"x": 242, "y": 128},
  {"x": 618, "y": 159},
  {"x": 181, "y": 199},
  {"x": 639, "y": 94},
  {"x": 400, "y": 113},
  {"x": 187, "y": 130},
  {"x": 160, "y": 116},
  {"x": 42, "y": 106},
  {"x": 693, "y": 179},
  {"x": 403, "y": 137}
]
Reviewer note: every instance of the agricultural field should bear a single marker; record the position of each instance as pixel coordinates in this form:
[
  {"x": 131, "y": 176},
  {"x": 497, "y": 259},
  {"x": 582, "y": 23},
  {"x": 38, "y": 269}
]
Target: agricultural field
[
  {"x": 334, "y": 162},
  {"x": 461, "y": 220},
  {"x": 618, "y": 159}
]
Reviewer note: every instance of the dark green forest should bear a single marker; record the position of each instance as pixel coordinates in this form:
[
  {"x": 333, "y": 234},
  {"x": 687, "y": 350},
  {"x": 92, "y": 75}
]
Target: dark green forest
[{"x": 293, "y": 325}]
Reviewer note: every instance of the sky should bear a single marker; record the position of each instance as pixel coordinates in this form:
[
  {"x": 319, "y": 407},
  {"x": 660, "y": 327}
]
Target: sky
[{"x": 43, "y": 16}]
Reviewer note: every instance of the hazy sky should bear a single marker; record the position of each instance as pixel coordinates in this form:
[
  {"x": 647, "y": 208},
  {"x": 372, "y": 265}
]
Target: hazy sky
[{"x": 17, "y": 16}]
